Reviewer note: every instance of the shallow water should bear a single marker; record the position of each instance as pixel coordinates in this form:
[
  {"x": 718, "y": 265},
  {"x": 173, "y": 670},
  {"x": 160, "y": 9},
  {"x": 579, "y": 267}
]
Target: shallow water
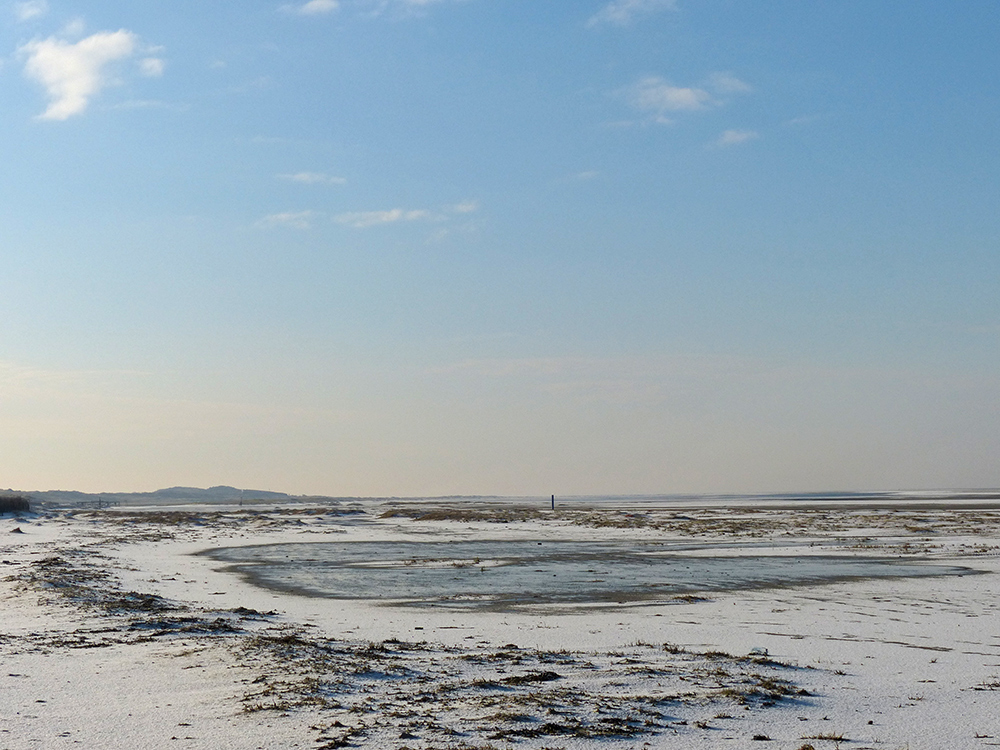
[{"x": 504, "y": 573}]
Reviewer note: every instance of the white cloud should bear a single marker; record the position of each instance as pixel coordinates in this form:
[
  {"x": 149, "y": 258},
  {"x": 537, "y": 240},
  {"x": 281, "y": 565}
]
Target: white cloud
[
  {"x": 293, "y": 219},
  {"x": 365, "y": 219},
  {"x": 152, "y": 66},
  {"x": 73, "y": 73},
  {"x": 653, "y": 94},
  {"x": 465, "y": 207},
  {"x": 313, "y": 178},
  {"x": 736, "y": 137},
  {"x": 313, "y": 7},
  {"x": 31, "y": 9},
  {"x": 727, "y": 83},
  {"x": 622, "y": 12}
]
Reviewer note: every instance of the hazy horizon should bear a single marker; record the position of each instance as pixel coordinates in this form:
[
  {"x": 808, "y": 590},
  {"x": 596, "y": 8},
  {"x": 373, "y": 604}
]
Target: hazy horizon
[{"x": 227, "y": 493}]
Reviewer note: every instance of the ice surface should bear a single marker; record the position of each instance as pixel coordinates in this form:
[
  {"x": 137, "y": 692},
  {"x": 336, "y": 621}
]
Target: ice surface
[{"x": 503, "y": 573}]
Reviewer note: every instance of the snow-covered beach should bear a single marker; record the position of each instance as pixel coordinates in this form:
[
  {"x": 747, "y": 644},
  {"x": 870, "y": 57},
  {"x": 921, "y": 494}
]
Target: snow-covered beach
[{"x": 155, "y": 626}]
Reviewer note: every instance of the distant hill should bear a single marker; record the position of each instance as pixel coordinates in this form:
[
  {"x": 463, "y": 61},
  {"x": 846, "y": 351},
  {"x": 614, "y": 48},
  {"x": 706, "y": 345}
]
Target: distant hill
[
  {"x": 222, "y": 492},
  {"x": 170, "y": 495}
]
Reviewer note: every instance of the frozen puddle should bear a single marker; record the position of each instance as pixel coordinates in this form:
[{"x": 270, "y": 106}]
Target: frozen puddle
[{"x": 501, "y": 574}]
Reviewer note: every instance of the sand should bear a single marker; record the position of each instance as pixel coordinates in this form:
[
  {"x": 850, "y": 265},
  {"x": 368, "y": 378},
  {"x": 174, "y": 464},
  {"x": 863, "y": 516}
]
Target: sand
[{"x": 117, "y": 633}]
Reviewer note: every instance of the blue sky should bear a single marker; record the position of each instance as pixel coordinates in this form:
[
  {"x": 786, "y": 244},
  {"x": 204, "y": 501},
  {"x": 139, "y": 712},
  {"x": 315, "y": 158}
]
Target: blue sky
[{"x": 495, "y": 246}]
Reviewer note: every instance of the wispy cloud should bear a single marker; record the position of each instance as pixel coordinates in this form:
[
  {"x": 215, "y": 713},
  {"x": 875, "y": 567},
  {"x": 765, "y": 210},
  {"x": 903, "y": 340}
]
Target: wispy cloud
[
  {"x": 803, "y": 120},
  {"x": 662, "y": 100},
  {"x": 653, "y": 94},
  {"x": 393, "y": 9},
  {"x": 312, "y": 178},
  {"x": 402, "y": 8},
  {"x": 26, "y": 11},
  {"x": 73, "y": 28},
  {"x": 735, "y": 138},
  {"x": 313, "y": 8},
  {"x": 152, "y": 67},
  {"x": 293, "y": 219},
  {"x": 727, "y": 83},
  {"x": 422, "y": 3},
  {"x": 623, "y": 12},
  {"x": 72, "y": 73},
  {"x": 366, "y": 219}
]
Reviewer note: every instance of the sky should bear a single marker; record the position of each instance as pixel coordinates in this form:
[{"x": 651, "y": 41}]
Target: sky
[{"x": 434, "y": 247}]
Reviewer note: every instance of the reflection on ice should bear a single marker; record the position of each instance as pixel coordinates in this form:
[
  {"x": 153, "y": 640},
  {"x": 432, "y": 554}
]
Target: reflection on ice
[{"x": 508, "y": 573}]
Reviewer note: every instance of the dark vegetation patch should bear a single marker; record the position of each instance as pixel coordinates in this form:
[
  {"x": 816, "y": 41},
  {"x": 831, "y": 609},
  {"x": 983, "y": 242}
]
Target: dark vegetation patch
[
  {"x": 492, "y": 514},
  {"x": 524, "y": 679},
  {"x": 432, "y": 694},
  {"x": 829, "y": 736},
  {"x": 14, "y": 504},
  {"x": 82, "y": 578}
]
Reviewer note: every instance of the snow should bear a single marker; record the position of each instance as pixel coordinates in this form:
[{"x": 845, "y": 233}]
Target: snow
[{"x": 131, "y": 639}]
